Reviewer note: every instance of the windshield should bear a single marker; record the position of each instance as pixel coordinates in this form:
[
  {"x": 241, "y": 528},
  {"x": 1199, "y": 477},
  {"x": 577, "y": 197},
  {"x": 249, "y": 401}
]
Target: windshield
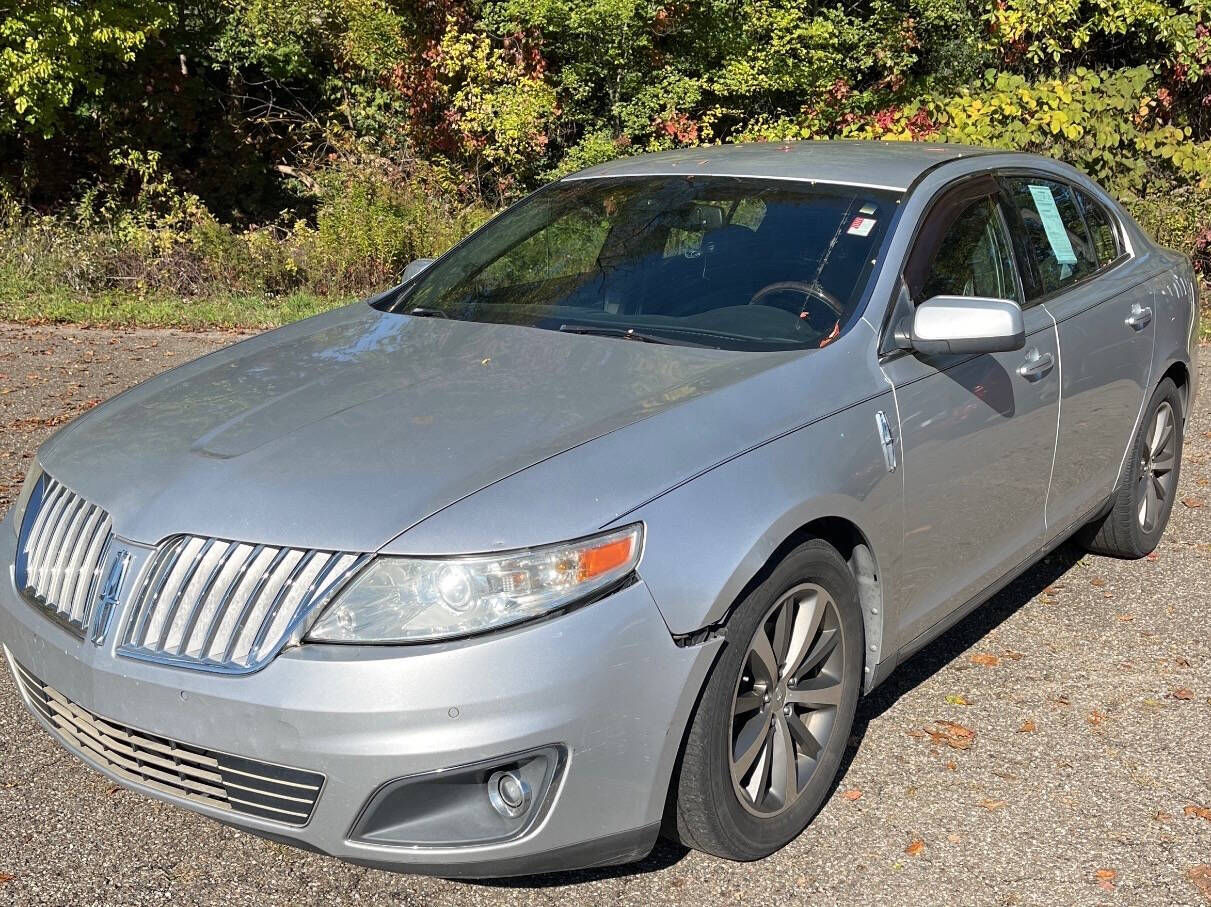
[{"x": 732, "y": 263}]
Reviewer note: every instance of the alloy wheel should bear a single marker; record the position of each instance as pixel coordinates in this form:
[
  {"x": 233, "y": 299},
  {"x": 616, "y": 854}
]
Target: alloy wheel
[
  {"x": 1157, "y": 461},
  {"x": 786, "y": 699}
]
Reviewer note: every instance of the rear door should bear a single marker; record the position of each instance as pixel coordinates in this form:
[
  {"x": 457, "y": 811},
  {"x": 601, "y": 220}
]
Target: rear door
[
  {"x": 1106, "y": 333},
  {"x": 977, "y": 432}
]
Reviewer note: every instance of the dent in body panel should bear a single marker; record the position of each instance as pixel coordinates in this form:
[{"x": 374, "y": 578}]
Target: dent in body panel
[{"x": 708, "y": 539}]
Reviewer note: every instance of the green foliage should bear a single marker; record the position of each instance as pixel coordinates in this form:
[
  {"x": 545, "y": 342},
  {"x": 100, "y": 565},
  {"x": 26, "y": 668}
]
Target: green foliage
[
  {"x": 55, "y": 54},
  {"x": 276, "y": 146}
]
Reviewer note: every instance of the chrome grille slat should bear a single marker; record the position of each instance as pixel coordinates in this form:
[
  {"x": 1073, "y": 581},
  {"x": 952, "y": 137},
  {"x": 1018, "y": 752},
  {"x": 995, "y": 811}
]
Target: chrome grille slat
[
  {"x": 59, "y": 553},
  {"x": 223, "y": 781},
  {"x": 92, "y": 542},
  {"x": 170, "y": 616},
  {"x": 250, "y": 604},
  {"x": 221, "y": 613},
  {"x": 225, "y": 606},
  {"x": 203, "y": 596}
]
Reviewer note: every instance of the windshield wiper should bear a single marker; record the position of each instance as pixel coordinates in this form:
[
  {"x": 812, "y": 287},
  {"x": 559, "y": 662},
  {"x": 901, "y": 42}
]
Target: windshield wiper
[{"x": 621, "y": 333}]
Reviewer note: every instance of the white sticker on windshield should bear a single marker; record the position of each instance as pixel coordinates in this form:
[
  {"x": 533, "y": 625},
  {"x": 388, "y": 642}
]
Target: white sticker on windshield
[
  {"x": 1053, "y": 225},
  {"x": 861, "y": 226}
]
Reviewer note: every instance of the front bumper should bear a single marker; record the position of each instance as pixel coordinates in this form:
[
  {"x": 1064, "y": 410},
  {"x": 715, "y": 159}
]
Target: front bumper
[{"x": 605, "y": 681}]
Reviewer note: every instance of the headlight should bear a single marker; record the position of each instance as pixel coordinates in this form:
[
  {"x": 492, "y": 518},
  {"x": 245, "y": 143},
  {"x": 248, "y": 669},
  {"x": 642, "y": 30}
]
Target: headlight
[
  {"x": 27, "y": 491},
  {"x": 403, "y": 599}
]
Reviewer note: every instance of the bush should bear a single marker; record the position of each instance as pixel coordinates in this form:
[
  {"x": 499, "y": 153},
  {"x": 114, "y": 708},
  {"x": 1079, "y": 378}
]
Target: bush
[{"x": 368, "y": 225}]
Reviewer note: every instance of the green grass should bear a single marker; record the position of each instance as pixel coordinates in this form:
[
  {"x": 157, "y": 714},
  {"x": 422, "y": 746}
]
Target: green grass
[{"x": 116, "y": 309}]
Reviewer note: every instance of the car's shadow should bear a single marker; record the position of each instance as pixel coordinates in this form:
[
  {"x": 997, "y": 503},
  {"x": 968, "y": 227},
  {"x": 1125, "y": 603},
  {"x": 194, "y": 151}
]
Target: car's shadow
[{"x": 924, "y": 664}]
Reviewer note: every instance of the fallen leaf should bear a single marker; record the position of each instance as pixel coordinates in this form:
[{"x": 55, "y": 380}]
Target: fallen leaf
[
  {"x": 957, "y": 699},
  {"x": 953, "y": 735},
  {"x": 916, "y": 848},
  {"x": 1096, "y": 717},
  {"x": 852, "y": 795},
  {"x": 1203, "y": 812},
  {"x": 1153, "y": 556},
  {"x": 985, "y": 660},
  {"x": 1200, "y": 877},
  {"x": 1098, "y": 582},
  {"x": 991, "y": 805},
  {"x": 952, "y": 766},
  {"x": 1183, "y": 694},
  {"x": 1027, "y": 727},
  {"x": 1014, "y": 656},
  {"x": 1162, "y": 816},
  {"x": 5, "y": 877},
  {"x": 1193, "y": 503},
  {"x": 1125, "y": 618},
  {"x": 1105, "y": 879}
]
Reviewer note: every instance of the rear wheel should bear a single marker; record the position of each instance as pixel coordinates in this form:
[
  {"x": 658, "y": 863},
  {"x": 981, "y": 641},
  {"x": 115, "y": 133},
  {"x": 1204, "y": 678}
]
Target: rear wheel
[
  {"x": 767, "y": 738},
  {"x": 1144, "y": 496}
]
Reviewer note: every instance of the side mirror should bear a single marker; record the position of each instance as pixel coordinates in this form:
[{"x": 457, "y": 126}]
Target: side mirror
[
  {"x": 966, "y": 324},
  {"x": 415, "y": 268}
]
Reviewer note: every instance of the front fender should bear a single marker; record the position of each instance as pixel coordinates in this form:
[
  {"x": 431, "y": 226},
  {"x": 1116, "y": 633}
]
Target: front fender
[{"x": 708, "y": 538}]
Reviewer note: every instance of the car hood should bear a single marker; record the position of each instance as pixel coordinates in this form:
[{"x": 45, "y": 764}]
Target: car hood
[{"x": 344, "y": 430}]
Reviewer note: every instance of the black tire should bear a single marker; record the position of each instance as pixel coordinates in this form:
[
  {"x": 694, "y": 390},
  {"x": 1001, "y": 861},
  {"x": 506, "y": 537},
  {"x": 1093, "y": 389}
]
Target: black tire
[
  {"x": 708, "y": 813},
  {"x": 1123, "y": 532}
]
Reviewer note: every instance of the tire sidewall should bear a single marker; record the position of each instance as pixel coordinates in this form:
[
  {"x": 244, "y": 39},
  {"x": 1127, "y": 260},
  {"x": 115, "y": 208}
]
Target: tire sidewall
[
  {"x": 1166, "y": 391},
  {"x": 750, "y": 836}
]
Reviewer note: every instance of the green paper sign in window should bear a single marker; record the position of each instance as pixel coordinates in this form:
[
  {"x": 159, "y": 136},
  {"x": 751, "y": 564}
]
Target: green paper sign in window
[{"x": 1061, "y": 245}]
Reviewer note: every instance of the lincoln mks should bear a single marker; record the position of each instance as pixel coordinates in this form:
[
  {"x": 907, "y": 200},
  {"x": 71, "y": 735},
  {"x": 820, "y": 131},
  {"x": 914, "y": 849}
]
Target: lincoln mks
[{"x": 598, "y": 526}]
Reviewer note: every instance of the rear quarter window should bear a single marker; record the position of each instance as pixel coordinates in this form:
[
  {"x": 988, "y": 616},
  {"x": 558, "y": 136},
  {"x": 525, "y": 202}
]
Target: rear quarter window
[{"x": 1101, "y": 229}]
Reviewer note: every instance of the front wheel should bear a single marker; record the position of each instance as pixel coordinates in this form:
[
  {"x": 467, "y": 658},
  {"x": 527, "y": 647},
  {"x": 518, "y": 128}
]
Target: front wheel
[
  {"x": 773, "y": 722},
  {"x": 1143, "y": 498}
]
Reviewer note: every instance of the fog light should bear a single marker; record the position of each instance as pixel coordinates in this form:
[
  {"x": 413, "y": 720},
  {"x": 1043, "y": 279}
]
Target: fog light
[
  {"x": 480, "y": 803},
  {"x": 509, "y": 794}
]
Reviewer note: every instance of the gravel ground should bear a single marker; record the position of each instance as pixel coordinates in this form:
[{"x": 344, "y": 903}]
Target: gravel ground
[{"x": 1087, "y": 685}]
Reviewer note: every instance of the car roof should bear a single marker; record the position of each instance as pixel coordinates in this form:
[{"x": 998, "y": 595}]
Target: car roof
[{"x": 893, "y": 165}]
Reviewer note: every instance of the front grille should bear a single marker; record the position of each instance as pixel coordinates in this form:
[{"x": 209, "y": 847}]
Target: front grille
[
  {"x": 62, "y": 541},
  {"x": 228, "y": 606},
  {"x": 245, "y": 786}
]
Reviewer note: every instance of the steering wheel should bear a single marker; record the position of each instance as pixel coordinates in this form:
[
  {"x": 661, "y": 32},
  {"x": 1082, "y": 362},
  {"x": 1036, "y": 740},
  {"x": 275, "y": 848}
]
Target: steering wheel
[{"x": 813, "y": 291}]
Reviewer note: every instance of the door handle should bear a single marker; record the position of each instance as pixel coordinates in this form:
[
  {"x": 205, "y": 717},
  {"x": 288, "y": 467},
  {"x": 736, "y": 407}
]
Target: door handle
[
  {"x": 1036, "y": 365},
  {"x": 1139, "y": 317}
]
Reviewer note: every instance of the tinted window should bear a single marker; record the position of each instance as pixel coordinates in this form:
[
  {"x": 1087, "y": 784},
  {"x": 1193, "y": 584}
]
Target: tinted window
[
  {"x": 973, "y": 257},
  {"x": 716, "y": 261},
  {"x": 1101, "y": 229},
  {"x": 1054, "y": 231}
]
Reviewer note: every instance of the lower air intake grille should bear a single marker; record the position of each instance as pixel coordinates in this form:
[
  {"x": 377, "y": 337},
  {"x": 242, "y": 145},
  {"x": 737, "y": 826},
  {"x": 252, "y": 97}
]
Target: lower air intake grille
[{"x": 220, "y": 780}]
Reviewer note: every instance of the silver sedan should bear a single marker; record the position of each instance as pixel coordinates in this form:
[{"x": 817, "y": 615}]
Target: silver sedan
[{"x": 600, "y": 525}]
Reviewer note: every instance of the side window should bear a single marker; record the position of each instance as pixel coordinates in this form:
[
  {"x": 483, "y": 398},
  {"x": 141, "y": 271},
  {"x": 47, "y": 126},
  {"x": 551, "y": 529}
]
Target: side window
[
  {"x": 1055, "y": 233},
  {"x": 1101, "y": 229},
  {"x": 970, "y": 257}
]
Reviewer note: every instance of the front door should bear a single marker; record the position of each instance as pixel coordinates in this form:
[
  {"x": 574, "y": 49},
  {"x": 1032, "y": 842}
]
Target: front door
[{"x": 977, "y": 432}]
